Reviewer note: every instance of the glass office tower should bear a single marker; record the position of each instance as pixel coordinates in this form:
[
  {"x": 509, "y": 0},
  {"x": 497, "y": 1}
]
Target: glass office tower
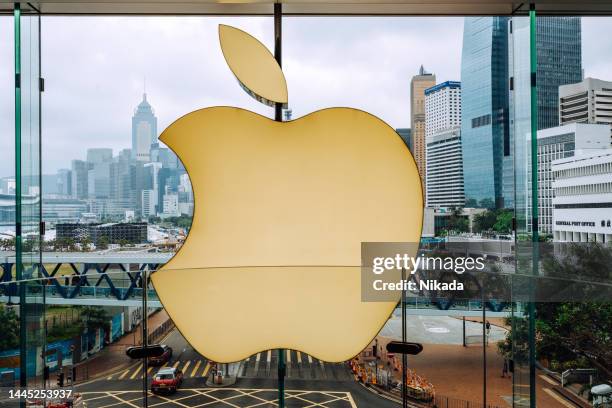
[
  {"x": 559, "y": 56},
  {"x": 484, "y": 119}
]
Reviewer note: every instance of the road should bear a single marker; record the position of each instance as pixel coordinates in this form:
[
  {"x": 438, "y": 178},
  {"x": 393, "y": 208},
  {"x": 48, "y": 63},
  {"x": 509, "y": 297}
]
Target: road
[{"x": 309, "y": 383}]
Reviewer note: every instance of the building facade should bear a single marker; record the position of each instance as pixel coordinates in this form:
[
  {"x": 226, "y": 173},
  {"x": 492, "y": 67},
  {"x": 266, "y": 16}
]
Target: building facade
[
  {"x": 144, "y": 131},
  {"x": 442, "y": 107},
  {"x": 79, "y": 183},
  {"x": 583, "y": 197},
  {"x": 443, "y": 155},
  {"x": 558, "y": 143},
  {"x": 112, "y": 233},
  {"x": 589, "y": 101},
  {"x": 484, "y": 109},
  {"x": 418, "y": 84},
  {"x": 444, "y": 183}
]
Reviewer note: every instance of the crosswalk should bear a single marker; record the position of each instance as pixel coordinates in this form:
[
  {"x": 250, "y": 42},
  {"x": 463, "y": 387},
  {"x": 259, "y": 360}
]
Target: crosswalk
[
  {"x": 299, "y": 366},
  {"x": 261, "y": 365},
  {"x": 190, "y": 369}
]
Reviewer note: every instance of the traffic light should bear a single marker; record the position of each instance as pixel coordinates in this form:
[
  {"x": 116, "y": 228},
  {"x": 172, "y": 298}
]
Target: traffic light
[
  {"x": 404, "y": 347},
  {"x": 60, "y": 379},
  {"x": 136, "y": 352}
]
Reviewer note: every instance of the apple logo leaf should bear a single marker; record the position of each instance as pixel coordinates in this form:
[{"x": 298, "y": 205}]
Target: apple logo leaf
[{"x": 253, "y": 65}]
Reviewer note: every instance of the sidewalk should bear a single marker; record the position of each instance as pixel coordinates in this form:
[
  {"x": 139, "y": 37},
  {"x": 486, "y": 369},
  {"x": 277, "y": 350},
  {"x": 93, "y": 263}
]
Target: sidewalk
[{"x": 113, "y": 357}]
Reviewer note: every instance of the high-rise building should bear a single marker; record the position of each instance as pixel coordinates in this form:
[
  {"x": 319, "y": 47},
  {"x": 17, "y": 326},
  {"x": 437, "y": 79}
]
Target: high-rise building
[
  {"x": 582, "y": 186},
  {"x": 99, "y": 180},
  {"x": 171, "y": 205},
  {"x": 99, "y": 155},
  {"x": 406, "y": 135},
  {"x": 558, "y": 143},
  {"x": 589, "y": 101},
  {"x": 442, "y": 107},
  {"x": 64, "y": 182},
  {"x": 144, "y": 131},
  {"x": 444, "y": 186},
  {"x": 484, "y": 104},
  {"x": 558, "y": 46},
  {"x": 444, "y": 175},
  {"x": 418, "y": 84},
  {"x": 559, "y": 56},
  {"x": 80, "y": 175}
]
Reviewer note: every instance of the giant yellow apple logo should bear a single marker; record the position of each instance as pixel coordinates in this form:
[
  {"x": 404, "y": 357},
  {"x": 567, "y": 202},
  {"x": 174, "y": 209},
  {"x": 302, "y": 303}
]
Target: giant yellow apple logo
[{"x": 281, "y": 208}]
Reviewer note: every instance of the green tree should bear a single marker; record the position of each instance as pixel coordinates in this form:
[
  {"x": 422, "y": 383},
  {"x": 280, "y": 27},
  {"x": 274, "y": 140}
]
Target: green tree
[
  {"x": 503, "y": 222},
  {"x": 94, "y": 317},
  {"x": 571, "y": 334},
  {"x": 102, "y": 242},
  {"x": 458, "y": 221},
  {"x": 484, "y": 221},
  {"x": 9, "y": 327}
]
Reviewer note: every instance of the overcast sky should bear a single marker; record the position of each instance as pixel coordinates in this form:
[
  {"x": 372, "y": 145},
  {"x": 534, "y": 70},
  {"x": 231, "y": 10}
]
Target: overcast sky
[{"x": 95, "y": 68}]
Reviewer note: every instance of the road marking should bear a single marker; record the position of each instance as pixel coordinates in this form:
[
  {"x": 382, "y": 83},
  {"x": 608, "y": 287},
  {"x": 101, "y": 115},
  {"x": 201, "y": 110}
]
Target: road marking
[
  {"x": 149, "y": 370},
  {"x": 548, "y": 380},
  {"x": 558, "y": 398},
  {"x": 122, "y": 376},
  {"x": 206, "y": 369},
  {"x": 195, "y": 369},
  {"x": 186, "y": 366},
  {"x": 136, "y": 372},
  {"x": 269, "y": 356},
  {"x": 175, "y": 364},
  {"x": 288, "y": 355}
]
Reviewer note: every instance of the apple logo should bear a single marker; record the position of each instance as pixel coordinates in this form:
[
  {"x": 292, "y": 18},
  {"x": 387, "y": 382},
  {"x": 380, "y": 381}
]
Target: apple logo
[{"x": 281, "y": 208}]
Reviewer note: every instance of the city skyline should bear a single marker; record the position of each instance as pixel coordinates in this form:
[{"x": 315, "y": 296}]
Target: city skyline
[{"x": 378, "y": 83}]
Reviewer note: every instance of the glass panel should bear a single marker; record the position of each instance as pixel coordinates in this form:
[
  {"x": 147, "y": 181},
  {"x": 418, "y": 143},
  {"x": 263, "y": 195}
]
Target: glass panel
[
  {"x": 32, "y": 307},
  {"x": 521, "y": 121}
]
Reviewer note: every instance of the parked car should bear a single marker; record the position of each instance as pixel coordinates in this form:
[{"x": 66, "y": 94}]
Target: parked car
[
  {"x": 163, "y": 359},
  {"x": 167, "y": 380}
]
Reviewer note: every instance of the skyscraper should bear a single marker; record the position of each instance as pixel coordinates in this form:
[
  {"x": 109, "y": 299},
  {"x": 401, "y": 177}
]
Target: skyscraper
[
  {"x": 444, "y": 177},
  {"x": 418, "y": 85},
  {"x": 484, "y": 100},
  {"x": 79, "y": 183},
  {"x": 144, "y": 131},
  {"x": 558, "y": 46},
  {"x": 99, "y": 155}
]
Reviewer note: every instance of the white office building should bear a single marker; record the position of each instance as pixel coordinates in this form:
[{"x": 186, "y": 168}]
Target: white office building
[
  {"x": 442, "y": 107},
  {"x": 444, "y": 182},
  {"x": 589, "y": 101},
  {"x": 583, "y": 197},
  {"x": 443, "y": 156},
  {"x": 558, "y": 143},
  {"x": 171, "y": 205}
]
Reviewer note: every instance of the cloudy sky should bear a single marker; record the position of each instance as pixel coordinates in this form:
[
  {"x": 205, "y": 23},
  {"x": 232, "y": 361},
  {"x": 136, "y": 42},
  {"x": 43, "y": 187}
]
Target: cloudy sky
[{"x": 95, "y": 69}]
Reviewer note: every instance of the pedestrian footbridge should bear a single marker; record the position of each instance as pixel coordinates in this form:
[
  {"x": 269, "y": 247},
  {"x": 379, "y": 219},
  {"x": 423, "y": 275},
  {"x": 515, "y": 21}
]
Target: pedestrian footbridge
[{"x": 115, "y": 279}]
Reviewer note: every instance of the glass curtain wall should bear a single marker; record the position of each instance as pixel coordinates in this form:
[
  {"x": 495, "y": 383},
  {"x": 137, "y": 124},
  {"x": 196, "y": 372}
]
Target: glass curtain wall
[
  {"x": 513, "y": 124},
  {"x": 28, "y": 222}
]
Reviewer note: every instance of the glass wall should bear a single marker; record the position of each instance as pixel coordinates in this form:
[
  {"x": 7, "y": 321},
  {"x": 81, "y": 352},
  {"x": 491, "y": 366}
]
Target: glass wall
[{"x": 98, "y": 200}]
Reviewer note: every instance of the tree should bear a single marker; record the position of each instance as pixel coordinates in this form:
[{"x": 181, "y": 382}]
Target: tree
[
  {"x": 503, "y": 222},
  {"x": 102, "y": 242},
  {"x": 484, "y": 221},
  {"x": 9, "y": 327},
  {"x": 94, "y": 317},
  {"x": 487, "y": 203},
  {"x": 571, "y": 334},
  {"x": 458, "y": 221}
]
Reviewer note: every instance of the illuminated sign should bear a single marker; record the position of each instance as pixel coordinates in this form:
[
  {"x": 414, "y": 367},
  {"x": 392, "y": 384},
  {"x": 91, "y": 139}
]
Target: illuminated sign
[{"x": 281, "y": 208}]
